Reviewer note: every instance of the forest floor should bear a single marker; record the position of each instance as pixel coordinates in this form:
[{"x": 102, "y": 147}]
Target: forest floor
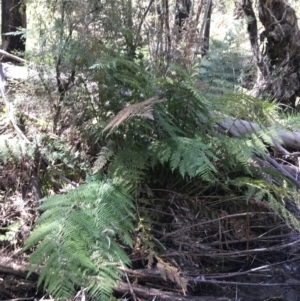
[
  {"x": 17, "y": 216},
  {"x": 215, "y": 248},
  {"x": 258, "y": 268}
]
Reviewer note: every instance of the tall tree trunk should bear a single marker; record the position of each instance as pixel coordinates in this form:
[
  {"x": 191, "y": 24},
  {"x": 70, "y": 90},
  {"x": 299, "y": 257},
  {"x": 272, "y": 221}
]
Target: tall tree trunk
[
  {"x": 206, "y": 35},
  {"x": 161, "y": 14},
  {"x": 278, "y": 51},
  {"x": 167, "y": 25},
  {"x": 13, "y": 17},
  {"x": 183, "y": 8}
]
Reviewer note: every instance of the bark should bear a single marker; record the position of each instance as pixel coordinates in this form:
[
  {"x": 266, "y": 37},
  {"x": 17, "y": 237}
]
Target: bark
[
  {"x": 206, "y": 36},
  {"x": 167, "y": 25},
  {"x": 278, "y": 50},
  {"x": 161, "y": 16},
  {"x": 280, "y": 137},
  {"x": 13, "y": 17},
  {"x": 183, "y": 8}
]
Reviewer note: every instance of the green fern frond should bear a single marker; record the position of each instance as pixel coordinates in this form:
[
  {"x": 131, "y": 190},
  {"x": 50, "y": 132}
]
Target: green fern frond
[
  {"x": 260, "y": 189},
  {"x": 129, "y": 167},
  {"x": 126, "y": 73},
  {"x": 222, "y": 68},
  {"x": 234, "y": 154},
  {"x": 290, "y": 121},
  {"x": 14, "y": 149},
  {"x": 191, "y": 157},
  {"x": 166, "y": 123},
  {"x": 254, "y": 109},
  {"x": 75, "y": 239}
]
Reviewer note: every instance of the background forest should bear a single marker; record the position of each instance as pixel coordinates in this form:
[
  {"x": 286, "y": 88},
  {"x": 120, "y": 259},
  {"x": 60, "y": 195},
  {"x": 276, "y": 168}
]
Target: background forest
[{"x": 149, "y": 150}]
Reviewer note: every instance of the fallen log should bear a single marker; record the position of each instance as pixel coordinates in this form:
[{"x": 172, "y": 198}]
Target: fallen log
[
  {"x": 280, "y": 139},
  {"x": 240, "y": 127}
]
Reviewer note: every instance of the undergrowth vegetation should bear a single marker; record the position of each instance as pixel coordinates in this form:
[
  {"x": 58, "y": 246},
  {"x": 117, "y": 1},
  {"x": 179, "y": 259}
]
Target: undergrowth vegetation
[
  {"x": 128, "y": 123},
  {"x": 76, "y": 238}
]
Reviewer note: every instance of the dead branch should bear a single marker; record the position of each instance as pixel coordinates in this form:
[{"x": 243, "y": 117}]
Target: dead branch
[
  {"x": 240, "y": 127},
  {"x": 9, "y": 266},
  {"x": 14, "y": 57},
  {"x": 147, "y": 293}
]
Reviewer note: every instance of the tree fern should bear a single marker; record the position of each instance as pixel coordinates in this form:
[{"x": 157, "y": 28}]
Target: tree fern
[
  {"x": 220, "y": 72},
  {"x": 182, "y": 132},
  {"x": 75, "y": 239},
  {"x": 105, "y": 154},
  {"x": 223, "y": 69}
]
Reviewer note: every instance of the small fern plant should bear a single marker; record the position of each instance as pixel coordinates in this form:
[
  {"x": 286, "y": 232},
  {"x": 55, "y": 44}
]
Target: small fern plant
[
  {"x": 13, "y": 150},
  {"x": 77, "y": 239}
]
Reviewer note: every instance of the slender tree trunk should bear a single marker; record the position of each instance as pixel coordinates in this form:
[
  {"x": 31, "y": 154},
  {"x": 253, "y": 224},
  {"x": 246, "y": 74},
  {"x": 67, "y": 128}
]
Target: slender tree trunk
[
  {"x": 206, "y": 36},
  {"x": 13, "y": 17},
  {"x": 131, "y": 48},
  {"x": 162, "y": 23},
  {"x": 167, "y": 25},
  {"x": 183, "y": 8}
]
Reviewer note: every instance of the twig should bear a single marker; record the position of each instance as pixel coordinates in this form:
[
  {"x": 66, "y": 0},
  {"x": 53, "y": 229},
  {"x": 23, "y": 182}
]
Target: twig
[
  {"x": 155, "y": 273},
  {"x": 253, "y": 239},
  {"x": 294, "y": 154},
  {"x": 150, "y": 293},
  {"x": 227, "y": 275},
  {"x": 217, "y": 254},
  {"x": 276, "y": 22},
  {"x": 129, "y": 284},
  {"x": 142, "y": 21},
  {"x": 212, "y": 221},
  {"x": 20, "y": 299},
  {"x": 283, "y": 171},
  {"x": 198, "y": 279}
]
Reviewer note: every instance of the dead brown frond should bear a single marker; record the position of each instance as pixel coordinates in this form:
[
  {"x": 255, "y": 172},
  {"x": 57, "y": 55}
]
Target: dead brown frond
[
  {"x": 169, "y": 272},
  {"x": 143, "y": 109}
]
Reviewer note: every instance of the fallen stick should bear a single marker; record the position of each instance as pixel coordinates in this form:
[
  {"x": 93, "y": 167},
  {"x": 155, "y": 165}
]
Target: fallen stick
[
  {"x": 14, "y": 57},
  {"x": 9, "y": 266},
  {"x": 152, "y": 293}
]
